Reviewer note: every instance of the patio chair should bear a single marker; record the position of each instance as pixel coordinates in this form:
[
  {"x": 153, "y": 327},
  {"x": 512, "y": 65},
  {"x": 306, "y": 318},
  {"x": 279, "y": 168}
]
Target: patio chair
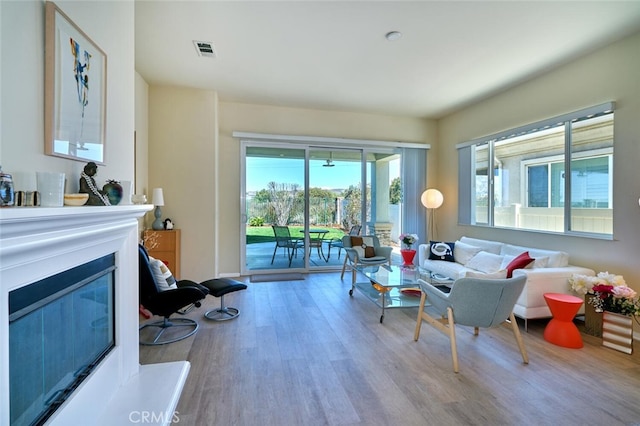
[
  {"x": 337, "y": 242},
  {"x": 474, "y": 302},
  {"x": 285, "y": 241},
  {"x": 364, "y": 251}
]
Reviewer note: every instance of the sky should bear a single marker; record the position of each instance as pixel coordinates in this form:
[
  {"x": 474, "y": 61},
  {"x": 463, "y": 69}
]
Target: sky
[{"x": 261, "y": 171}]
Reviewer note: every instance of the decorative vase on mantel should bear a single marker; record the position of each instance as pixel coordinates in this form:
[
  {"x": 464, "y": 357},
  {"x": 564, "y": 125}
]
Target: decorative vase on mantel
[
  {"x": 407, "y": 256},
  {"x": 113, "y": 190},
  {"x": 592, "y": 319},
  {"x": 617, "y": 332}
]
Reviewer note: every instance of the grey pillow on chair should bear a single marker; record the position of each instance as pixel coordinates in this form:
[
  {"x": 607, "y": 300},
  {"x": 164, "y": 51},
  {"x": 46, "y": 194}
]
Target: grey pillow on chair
[{"x": 162, "y": 274}]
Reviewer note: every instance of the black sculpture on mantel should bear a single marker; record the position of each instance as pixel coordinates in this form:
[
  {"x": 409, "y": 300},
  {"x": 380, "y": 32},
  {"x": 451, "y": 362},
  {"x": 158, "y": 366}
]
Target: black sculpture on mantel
[{"x": 88, "y": 186}]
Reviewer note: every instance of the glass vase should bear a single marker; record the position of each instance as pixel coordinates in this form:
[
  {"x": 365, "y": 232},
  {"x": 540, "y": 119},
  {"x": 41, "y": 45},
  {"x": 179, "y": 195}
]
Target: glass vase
[{"x": 407, "y": 256}]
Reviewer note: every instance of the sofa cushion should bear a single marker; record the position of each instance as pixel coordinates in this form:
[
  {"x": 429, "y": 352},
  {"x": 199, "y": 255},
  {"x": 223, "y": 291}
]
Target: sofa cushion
[
  {"x": 519, "y": 262},
  {"x": 462, "y": 252},
  {"x": 498, "y": 275},
  {"x": 490, "y": 246},
  {"x": 539, "y": 262},
  {"x": 557, "y": 259},
  {"x": 440, "y": 250},
  {"x": 485, "y": 262},
  {"x": 448, "y": 269}
]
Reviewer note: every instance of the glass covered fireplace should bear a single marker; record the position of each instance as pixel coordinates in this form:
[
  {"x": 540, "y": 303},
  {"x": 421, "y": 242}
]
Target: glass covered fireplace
[
  {"x": 55, "y": 333},
  {"x": 60, "y": 328}
]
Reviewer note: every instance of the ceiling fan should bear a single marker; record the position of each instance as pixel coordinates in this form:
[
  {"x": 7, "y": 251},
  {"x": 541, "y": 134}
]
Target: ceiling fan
[{"x": 329, "y": 161}]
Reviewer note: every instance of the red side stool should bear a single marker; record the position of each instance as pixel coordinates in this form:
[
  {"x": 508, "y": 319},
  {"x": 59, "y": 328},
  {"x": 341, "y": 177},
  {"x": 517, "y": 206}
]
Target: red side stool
[{"x": 561, "y": 330}]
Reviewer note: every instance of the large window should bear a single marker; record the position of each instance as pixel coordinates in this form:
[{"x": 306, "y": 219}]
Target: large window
[{"x": 553, "y": 176}]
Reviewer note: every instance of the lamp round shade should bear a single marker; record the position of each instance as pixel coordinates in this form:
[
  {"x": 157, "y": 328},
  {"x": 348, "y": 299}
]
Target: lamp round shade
[
  {"x": 158, "y": 197},
  {"x": 432, "y": 198}
]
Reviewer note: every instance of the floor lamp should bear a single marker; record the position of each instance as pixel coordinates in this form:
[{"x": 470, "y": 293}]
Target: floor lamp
[{"x": 432, "y": 199}]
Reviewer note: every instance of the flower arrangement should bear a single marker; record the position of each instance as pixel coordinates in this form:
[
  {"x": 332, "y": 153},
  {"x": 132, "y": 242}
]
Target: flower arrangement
[
  {"x": 609, "y": 293},
  {"x": 583, "y": 284},
  {"x": 408, "y": 240}
]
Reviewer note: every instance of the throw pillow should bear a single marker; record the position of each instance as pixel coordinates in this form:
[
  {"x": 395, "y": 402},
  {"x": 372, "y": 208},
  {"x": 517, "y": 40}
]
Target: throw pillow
[
  {"x": 463, "y": 252},
  {"x": 521, "y": 261},
  {"x": 485, "y": 262},
  {"x": 440, "y": 250},
  {"x": 163, "y": 276},
  {"x": 538, "y": 262},
  {"x": 363, "y": 246}
]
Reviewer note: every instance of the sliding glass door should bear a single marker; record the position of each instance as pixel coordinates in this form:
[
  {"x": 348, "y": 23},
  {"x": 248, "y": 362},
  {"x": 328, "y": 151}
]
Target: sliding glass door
[
  {"x": 299, "y": 201},
  {"x": 274, "y": 206},
  {"x": 335, "y": 202}
]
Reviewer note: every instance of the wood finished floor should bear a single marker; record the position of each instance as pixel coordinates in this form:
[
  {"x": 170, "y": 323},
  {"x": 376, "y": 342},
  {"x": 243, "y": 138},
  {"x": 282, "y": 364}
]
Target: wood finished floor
[{"x": 305, "y": 353}]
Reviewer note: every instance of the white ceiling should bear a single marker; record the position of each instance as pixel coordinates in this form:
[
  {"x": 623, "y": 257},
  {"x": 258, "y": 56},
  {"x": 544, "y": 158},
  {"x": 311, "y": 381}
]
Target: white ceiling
[{"x": 333, "y": 54}]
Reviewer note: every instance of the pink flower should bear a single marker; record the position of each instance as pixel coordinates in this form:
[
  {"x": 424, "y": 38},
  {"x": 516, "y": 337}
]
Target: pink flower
[{"x": 624, "y": 292}]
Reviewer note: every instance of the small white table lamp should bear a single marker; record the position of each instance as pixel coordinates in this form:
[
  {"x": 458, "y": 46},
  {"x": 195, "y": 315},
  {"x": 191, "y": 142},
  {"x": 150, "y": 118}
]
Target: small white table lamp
[
  {"x": 158, "y": 200},
  {"x": 432, "y": 199}
]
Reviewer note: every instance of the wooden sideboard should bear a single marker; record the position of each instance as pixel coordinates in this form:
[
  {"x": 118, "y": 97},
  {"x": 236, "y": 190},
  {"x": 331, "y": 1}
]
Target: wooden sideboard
[{"x": 164, "y": 245}]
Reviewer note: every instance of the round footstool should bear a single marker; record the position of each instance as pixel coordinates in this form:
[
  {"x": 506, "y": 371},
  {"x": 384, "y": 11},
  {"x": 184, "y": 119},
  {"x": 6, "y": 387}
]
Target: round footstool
[
  {"x": 218, "y": 287},
  {"x": 561, "y": 330}
]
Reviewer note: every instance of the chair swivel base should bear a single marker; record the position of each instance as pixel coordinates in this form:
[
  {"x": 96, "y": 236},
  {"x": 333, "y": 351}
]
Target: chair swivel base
[
  {"x": 166, "y": 324},
  {"x": 223, "y": 313}
]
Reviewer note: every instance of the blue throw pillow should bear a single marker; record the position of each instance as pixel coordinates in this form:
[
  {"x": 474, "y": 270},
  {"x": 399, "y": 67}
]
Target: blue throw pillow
[{"x": 440, "y": 250}]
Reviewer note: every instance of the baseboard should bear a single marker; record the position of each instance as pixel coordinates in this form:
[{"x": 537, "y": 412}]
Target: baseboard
[{"x": 230, "y": 275}]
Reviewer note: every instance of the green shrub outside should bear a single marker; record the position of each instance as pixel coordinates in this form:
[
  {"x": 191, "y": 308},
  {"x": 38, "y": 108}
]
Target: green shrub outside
[{"x": 256, "y": 221}]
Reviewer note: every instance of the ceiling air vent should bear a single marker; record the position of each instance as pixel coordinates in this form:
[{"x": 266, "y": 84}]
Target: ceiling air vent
[{"x": 204, "y": 48}]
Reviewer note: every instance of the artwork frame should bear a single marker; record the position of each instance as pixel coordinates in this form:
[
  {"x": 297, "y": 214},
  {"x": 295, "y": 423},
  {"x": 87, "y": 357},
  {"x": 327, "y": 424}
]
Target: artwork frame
[{"x": 75, "y": 90}]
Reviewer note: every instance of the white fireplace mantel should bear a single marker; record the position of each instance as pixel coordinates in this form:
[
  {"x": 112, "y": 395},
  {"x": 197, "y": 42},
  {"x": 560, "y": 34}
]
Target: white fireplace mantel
[{"x": 36, "y": 242}]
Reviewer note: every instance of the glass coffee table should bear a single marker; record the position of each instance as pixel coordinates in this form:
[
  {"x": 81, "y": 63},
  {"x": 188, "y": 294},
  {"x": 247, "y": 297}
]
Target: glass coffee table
[{"x": 391, "y": 287}]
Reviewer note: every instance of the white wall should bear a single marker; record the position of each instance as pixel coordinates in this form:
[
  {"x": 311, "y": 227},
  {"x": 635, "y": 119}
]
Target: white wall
[
  {"x": 111, "y": 26},
  {"x": 142, "y": 137},
  {"x": 610, "y": 74},
  {"x": 182, "y": 142}
]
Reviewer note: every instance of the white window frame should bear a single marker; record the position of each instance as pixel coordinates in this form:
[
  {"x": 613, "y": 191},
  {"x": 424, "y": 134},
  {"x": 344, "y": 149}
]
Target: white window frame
[
  {"x": 465, "y": 154},
  {"x": 554, "y": 159}
]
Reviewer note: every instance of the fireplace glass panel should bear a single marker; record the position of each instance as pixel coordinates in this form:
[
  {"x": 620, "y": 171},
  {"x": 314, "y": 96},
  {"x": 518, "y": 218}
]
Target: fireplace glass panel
[{"x": 59, "y": 330}]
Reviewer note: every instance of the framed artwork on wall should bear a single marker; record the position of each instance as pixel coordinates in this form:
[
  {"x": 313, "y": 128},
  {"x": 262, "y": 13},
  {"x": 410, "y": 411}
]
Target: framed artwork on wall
[{"x": 75, "y": 91}]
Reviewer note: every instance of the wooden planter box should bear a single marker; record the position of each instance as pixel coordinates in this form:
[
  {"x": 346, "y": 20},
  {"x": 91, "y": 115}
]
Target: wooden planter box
[{"x": 592, "y": 319}]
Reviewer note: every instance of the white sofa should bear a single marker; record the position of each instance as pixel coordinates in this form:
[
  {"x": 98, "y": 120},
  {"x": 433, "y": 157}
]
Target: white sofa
[{"x": 474, "y": 257}]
